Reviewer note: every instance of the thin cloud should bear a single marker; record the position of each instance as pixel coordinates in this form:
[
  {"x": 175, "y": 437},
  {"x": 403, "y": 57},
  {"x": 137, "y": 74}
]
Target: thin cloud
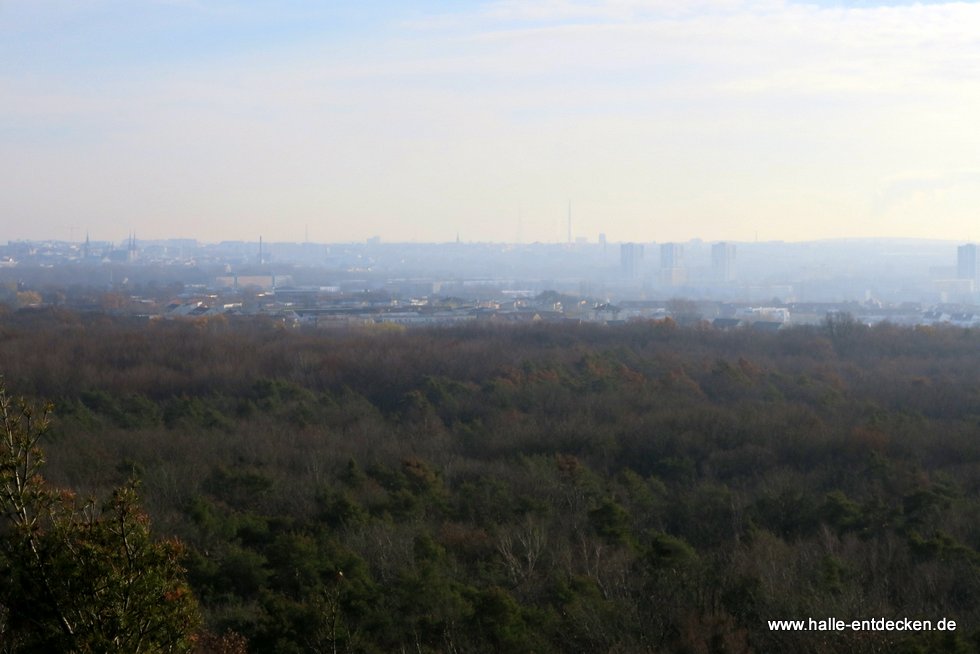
[
  {"x": 898, "y": 190},
  {"x": 766, "y": 109}
]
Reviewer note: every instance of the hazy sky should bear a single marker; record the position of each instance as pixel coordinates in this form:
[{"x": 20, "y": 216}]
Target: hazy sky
[{"x": 658, "y": 119}]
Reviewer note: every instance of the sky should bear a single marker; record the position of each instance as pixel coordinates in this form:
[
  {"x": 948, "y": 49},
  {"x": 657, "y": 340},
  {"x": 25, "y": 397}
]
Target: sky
[{"x": 654, "y": 120}]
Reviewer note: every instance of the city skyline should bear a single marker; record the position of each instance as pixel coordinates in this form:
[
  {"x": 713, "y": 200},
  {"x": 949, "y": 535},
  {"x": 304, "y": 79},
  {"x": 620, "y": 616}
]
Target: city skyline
[{"x": 727, "y": 120}]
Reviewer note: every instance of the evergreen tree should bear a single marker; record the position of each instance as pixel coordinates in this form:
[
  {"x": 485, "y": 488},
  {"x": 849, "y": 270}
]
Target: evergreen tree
[{"x": 80, "y": 577}]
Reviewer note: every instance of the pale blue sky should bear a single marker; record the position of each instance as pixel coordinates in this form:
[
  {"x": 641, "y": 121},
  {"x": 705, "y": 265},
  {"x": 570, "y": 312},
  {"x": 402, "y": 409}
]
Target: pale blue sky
[{"x": 659, "y": 120}]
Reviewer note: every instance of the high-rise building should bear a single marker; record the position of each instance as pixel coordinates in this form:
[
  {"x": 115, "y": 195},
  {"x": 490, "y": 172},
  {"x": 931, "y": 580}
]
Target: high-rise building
[
  {"x": 672, "y": 272},
  {"x": 966, "y": 263},
  {"x": 723, "y": 261},
  {"x": 132, "y": 252},
  {"x": 671, "y": 256},
  {"x": 630, "y": 259}
]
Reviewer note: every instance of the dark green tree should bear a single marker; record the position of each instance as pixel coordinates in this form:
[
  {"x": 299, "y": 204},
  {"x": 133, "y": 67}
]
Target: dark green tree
[{"x": 78, "y": 576}]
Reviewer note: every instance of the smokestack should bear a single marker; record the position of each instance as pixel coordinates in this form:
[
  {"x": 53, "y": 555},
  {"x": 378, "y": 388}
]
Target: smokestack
[{"x": 569, "y": 222}]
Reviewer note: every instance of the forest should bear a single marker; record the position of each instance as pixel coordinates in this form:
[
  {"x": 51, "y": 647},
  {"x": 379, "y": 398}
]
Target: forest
[{"x": 645, "y": 487}]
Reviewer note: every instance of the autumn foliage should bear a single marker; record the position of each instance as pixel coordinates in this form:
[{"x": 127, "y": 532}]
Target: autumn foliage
[{"x": 556, "y": 488}]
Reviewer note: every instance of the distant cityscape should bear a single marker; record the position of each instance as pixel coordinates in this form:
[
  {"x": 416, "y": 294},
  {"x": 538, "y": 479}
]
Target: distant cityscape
[{"x": 764, "y": 285}]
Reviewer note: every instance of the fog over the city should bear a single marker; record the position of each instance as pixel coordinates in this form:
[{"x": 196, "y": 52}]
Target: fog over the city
[{"x": 907, "y": 281}]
